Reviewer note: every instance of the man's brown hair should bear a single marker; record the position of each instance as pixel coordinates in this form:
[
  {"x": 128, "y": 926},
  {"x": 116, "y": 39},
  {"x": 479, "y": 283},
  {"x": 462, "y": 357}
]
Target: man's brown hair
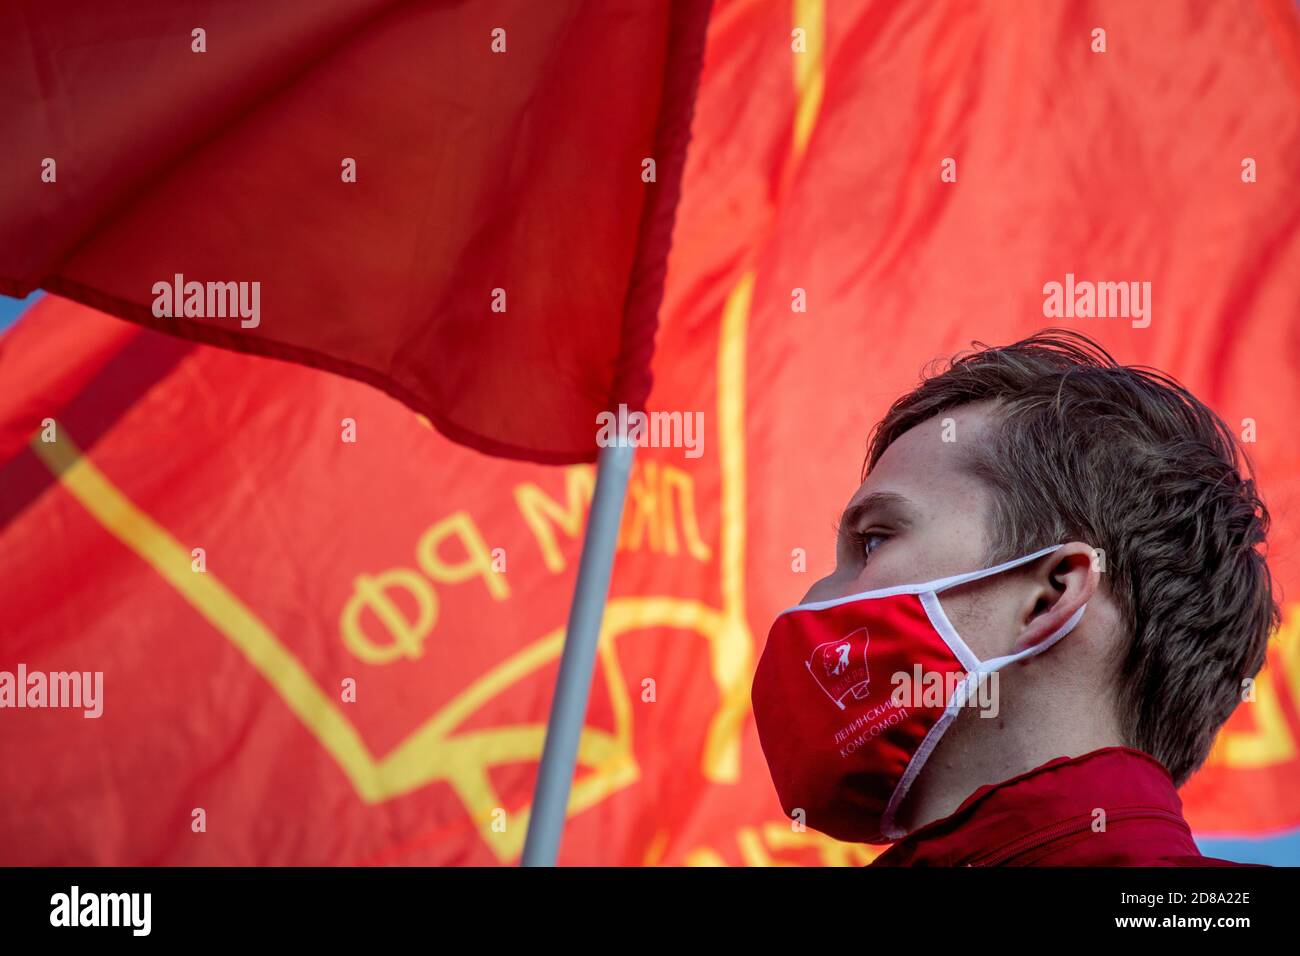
[{"x": 1129, "y": 461}]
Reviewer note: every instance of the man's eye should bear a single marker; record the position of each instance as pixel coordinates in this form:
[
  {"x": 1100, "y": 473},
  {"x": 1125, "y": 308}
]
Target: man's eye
[{"x": 870, "y": 541}]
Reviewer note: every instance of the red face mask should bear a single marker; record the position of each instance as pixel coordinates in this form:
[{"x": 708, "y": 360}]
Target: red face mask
[{"x": 843, "y": 739}]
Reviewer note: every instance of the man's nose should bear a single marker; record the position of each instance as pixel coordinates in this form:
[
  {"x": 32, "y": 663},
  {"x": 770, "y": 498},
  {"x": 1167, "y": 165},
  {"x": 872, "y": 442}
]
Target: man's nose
[{"x": 822, "y": 590}]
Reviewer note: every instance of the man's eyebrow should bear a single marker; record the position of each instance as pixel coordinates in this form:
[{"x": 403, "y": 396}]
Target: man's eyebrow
[{"x": 900, "y": 508}]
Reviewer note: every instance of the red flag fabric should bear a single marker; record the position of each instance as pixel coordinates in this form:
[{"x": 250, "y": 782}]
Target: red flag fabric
[
  {"x": 914, "y": 181},
  {"x": 823, "y": 255},
  {"x": 467, "y": 205}
]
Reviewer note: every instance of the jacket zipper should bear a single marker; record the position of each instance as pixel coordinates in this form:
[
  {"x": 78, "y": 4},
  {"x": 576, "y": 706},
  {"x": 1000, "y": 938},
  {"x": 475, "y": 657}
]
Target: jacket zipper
[{"x": 1068, "y": 828}]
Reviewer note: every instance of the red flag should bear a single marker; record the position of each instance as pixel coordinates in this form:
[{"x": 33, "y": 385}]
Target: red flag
[{"x": 467, "y": 205}]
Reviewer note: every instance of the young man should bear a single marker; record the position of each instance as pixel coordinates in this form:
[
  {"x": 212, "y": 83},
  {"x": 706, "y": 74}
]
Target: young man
[{"x": 1045, "y": 709}]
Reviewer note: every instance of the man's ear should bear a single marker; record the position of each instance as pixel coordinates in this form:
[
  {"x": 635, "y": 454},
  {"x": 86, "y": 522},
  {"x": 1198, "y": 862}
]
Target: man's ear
[{"x": 1061, "y": 583}]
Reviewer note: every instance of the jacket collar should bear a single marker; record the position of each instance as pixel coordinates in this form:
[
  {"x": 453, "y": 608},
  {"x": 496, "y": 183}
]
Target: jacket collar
[{"x": 1039, "y": 814}]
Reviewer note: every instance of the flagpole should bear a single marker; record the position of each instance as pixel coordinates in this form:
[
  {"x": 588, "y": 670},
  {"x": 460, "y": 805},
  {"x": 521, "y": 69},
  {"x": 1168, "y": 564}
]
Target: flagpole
[{"x": 577, "y": 663}]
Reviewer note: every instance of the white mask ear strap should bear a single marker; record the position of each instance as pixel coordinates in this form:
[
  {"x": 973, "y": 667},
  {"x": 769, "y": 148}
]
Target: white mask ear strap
[
  {"x": 944, "y": 584},
  {"x": 998, "y": 663},
  {"x": 888, "y": 825}
]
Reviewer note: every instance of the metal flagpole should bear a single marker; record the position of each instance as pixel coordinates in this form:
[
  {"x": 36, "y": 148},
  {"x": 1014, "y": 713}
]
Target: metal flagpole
[{"x": 572, "y": 687}]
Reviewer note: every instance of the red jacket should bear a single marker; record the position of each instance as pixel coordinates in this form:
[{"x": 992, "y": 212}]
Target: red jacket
[{"x": 1046, "y": 817}]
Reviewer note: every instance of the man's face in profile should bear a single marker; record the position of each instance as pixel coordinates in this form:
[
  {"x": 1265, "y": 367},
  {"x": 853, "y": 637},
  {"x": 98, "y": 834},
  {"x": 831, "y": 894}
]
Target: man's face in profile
[{"x": 920, "y": 515}]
